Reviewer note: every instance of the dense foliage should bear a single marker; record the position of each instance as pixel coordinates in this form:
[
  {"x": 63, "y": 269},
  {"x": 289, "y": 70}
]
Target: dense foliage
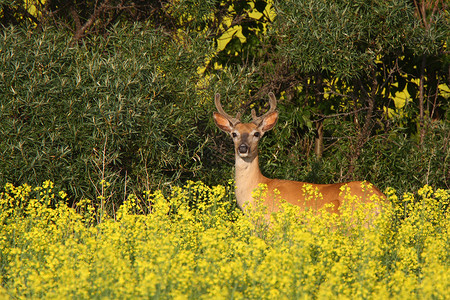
[
  {"x": 212, "y": 251},
  {"x": 122, "y": 91},
  {"x": 113, "y": 109}
]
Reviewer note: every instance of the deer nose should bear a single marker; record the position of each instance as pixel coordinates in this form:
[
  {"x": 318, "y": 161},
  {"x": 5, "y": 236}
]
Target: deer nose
[{"x": 243, "y": 148}]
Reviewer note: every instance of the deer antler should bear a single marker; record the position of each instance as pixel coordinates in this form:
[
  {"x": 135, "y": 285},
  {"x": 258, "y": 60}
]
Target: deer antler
[
  {"x": 273, "y": 105},
  {"x": 233, "y": 121}
]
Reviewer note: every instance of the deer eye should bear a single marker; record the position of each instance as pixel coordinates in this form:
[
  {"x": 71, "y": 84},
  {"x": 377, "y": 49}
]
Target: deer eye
[
  {"x": 257, "y": 134},
  {"x": 234, "y": 134}
]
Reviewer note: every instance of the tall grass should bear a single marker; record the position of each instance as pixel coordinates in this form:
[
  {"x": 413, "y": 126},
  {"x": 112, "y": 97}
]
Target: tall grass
[{"x": 195, "y": 244}]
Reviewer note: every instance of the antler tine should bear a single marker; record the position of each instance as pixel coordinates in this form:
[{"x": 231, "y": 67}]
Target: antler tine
[
  {"x": 273, "y": 106},
  {"x": 234, "y": 121},
  {"x": 272, "y": 102}
]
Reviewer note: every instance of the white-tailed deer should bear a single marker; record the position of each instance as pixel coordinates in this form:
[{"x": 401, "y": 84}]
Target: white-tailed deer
[{"x": 248, "y": 176}]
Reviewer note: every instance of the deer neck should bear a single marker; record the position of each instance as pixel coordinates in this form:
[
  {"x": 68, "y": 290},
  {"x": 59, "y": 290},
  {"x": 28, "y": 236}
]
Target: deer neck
[{"x": 248, "y": 176}]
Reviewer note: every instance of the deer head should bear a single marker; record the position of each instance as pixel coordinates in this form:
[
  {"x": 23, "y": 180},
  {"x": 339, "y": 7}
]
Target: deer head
[{"x": 246, "y": 135}]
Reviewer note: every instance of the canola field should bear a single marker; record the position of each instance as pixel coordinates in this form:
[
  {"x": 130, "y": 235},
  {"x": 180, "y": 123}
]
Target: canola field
[{"x": 195, "y": 244}]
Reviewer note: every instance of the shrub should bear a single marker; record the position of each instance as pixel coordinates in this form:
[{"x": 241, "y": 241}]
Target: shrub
[
  {"x": 123, "y": 108},
  {"x": 130, "y": 108}
]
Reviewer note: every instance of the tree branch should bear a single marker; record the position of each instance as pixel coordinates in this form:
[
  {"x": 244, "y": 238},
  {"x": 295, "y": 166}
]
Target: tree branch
[{"x": 80, "y": 31}]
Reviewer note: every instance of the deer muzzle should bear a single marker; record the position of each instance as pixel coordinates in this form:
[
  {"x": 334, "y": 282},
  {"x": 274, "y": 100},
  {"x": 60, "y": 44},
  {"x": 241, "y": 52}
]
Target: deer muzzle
[{"x": 243, "y": 148}]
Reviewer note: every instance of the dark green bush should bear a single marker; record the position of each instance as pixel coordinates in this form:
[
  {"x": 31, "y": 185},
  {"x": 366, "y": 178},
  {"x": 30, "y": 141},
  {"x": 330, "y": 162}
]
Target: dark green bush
[
  {"x": 124, "y": 108},
  {"x": 131, "y": 109}
]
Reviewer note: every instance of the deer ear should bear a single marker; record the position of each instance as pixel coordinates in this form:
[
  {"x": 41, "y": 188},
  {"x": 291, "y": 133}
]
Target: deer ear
[
  {"x": 269, "y": 121},
  {"x": 222, "y": 122}
]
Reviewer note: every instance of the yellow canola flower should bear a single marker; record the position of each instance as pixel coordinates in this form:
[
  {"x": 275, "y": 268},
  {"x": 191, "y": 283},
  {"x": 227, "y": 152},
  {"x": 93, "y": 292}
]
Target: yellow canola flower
[{"x": 193, "y": 243}]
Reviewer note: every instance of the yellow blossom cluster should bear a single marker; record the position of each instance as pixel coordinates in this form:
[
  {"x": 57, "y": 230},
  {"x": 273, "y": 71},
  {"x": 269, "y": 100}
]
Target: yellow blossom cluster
[{"x": 193, "y": 243}]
